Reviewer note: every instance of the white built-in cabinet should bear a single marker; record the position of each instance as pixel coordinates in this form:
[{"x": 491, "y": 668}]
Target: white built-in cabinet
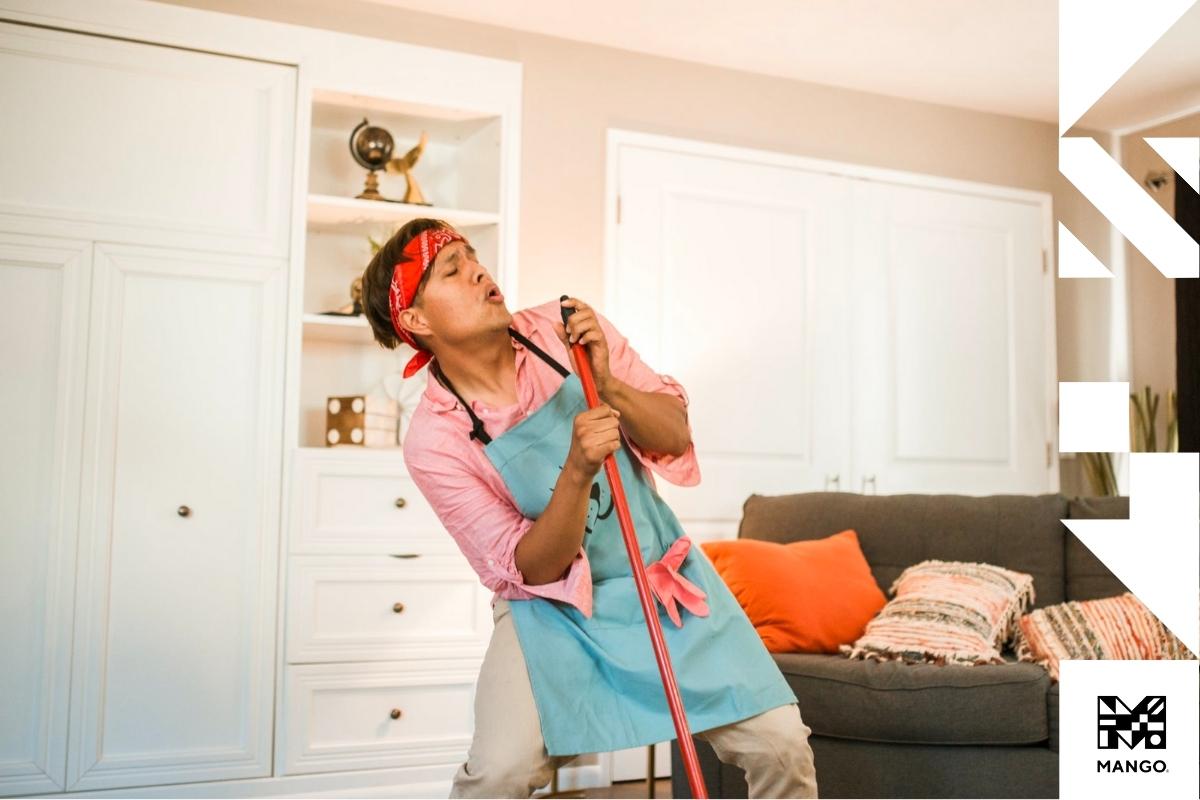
[
  {"x": 386, "y": 622},
  {"x": 143, "y": 261},
  {"x": 198, "y": 596},
  {"x": 838, "y": 327}
]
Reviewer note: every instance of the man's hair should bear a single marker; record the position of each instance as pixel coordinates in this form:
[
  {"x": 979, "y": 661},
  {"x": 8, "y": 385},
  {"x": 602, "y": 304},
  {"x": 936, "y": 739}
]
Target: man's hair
[{"x": 377, "y": 280}]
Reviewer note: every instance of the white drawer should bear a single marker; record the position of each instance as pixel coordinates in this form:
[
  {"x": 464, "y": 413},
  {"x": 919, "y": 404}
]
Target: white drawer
[
  {"x": 361, "y": 502},
  {"x": 374, "y": 716},
  {"x": 376, "y": 608}
]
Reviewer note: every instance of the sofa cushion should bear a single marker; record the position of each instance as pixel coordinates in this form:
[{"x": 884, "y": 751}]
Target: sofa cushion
[
  {"x": 1020, "y": 532},
  {"x": 1114, "y": 628},
  {"x": 947, "y": 612},
  {"x": 1086, "y": 576},
  {"x": 890, "y": 701},
  {"x": 802, "y": 597}
]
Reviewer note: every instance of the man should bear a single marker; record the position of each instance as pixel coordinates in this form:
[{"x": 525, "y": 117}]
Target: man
[{"x": 507, "y": 453}]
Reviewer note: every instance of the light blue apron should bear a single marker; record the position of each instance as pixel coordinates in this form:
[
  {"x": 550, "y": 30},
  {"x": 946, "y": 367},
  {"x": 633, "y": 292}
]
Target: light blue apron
[{"x": 595, "y": 681}]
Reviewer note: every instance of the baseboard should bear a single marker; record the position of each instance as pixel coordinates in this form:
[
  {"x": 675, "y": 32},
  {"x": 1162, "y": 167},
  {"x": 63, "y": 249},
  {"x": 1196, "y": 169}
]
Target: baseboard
[
  {"x": 409, "y": 782},
  {"x": 415, "y": 782}
]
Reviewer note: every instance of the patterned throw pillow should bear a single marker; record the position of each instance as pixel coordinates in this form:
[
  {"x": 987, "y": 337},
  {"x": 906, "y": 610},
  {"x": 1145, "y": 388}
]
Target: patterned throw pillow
[
  {"x": 1118, "y": 627},
  {"x": 947, "y": 612}
]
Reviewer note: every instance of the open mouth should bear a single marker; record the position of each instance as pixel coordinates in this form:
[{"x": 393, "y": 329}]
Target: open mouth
[{"x": 493, "y": 295}]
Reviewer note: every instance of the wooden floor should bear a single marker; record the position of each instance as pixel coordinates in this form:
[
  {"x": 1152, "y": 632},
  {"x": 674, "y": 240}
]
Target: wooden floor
[
  {"x": 631, "y": 789},
  {"x": 620, "y": 789}
]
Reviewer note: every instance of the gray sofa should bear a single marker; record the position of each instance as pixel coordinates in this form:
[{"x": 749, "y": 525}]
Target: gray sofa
[{"x": 906, "y": 730}]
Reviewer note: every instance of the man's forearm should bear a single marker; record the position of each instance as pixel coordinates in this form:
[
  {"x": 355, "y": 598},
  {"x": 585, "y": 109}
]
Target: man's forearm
[
  {"x": 551, "y": 543},
  {"x": 657, "y": 421}
]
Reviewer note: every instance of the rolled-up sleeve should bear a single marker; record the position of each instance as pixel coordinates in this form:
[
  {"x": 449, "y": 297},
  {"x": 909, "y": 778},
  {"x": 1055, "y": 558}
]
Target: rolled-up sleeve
[
  {"x": 487, "y": 527},
  {"x": 626, "y": 365}
]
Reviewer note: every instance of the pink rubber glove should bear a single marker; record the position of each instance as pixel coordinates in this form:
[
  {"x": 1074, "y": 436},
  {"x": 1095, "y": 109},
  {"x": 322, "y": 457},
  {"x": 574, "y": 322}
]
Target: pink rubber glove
[{"x": 671, "y": 587}]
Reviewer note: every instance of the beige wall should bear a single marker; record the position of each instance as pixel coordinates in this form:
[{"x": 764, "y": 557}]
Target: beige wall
[{"x": 574, "y": 92}]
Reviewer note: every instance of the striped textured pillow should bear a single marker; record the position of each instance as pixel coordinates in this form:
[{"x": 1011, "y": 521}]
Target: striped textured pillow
[
  {"x": 1116, "y": 628},
  {"x": 947, "y": 612}
]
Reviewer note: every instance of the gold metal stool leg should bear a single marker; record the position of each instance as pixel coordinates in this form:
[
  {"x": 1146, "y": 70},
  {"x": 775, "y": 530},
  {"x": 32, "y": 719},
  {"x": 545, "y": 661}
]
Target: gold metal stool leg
[{"x": 650, "y": 771}]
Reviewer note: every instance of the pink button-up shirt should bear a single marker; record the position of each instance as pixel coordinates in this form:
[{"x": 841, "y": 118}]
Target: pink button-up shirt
[{"x": 466, "y": 491}]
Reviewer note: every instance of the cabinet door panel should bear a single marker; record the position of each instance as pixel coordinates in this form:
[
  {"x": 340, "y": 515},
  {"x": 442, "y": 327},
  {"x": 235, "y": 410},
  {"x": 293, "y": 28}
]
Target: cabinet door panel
[
  {"x": 729, "y": 276},
  {"x": 144, "y": 143},
  {"x": 45, "y": 284},
  {"x": 180, "y": 520},
  {"x": 951, "y": 351}
]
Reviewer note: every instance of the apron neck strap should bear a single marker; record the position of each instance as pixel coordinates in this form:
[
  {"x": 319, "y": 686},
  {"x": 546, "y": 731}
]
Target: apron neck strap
[
  {"x": 523, "y": 339},
  {"x": 477, "y": 431}
]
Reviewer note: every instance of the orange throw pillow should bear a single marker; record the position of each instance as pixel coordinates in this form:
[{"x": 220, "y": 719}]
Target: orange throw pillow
[{"x": 802, "y": 597}]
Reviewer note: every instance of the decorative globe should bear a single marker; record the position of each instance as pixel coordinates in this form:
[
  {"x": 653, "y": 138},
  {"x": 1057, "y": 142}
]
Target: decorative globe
[{"x": 371, "y": 145}]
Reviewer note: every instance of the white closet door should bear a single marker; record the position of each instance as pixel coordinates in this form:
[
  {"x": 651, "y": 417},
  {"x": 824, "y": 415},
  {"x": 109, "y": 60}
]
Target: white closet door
[
  {"x": 951, "y": 353},
  {"x": 175, "y": 637},
  {"x": 730, "y": 276},
  {"x": 45, "y": 284}
]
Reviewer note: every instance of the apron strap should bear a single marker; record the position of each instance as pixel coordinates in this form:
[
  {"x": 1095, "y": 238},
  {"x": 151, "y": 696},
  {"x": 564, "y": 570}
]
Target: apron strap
[
  {"x": 477, "y": 431},
  {"x": 523, "y": 339}
]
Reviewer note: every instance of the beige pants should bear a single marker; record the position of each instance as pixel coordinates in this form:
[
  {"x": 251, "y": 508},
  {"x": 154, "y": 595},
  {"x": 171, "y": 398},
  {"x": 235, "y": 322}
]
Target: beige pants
[{"x": 508, "y": 757}]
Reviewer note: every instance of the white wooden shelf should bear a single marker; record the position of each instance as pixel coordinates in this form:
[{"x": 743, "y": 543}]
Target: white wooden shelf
[
  {"x": 328, "y": 211},
  {"x": 329, "y": 328}
]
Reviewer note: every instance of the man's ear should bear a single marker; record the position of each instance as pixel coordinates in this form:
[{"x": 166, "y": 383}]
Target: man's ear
[{"x": 413, "y": 321}]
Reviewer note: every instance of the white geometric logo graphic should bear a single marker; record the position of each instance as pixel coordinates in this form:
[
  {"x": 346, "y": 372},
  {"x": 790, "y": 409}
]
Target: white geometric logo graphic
[
  {"x": 1099, "y": 40},
  {"x": 1156, "y": 551},
  {"x": 1144, "y": 724}
]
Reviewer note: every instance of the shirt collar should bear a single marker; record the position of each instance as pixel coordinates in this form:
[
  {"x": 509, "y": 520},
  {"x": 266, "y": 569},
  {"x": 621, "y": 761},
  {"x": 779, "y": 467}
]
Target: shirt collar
[{"x": 441, "y": 399}]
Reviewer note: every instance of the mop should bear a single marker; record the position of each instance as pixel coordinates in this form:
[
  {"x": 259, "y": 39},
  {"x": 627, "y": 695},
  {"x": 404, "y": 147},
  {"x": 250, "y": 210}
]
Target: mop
[{"x": 687, "y": 747}]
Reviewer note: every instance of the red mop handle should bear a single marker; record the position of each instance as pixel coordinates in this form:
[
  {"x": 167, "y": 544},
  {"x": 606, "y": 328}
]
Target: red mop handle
[{"x": 687, "y": 747}]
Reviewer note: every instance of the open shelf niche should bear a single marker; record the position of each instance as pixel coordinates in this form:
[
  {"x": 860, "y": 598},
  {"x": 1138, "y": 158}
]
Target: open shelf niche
[{"x": 460, "y": 172}]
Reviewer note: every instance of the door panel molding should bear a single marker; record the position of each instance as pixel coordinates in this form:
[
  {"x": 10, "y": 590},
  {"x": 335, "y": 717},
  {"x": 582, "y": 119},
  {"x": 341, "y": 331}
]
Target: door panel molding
[{"x": 42, "y": 399}]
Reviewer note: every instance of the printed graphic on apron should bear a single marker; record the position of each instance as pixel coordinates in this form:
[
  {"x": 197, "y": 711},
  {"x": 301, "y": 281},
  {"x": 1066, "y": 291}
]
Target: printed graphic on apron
[{"x": 599, "y": 498}]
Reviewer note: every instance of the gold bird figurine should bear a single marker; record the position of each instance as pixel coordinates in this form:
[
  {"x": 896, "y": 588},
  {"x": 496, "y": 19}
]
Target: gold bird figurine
[{"x": 404, "y": 166}]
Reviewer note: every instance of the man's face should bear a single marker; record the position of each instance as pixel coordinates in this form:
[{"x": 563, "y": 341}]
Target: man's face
[{"x": 460, "y": 300}]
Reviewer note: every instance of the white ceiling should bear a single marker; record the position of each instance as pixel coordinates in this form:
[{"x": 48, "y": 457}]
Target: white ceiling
[{"x": 984, "y": 55}]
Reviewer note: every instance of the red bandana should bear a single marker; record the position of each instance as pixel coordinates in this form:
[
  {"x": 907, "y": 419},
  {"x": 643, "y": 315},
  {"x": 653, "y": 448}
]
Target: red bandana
[{"x": 418, "y": 256}]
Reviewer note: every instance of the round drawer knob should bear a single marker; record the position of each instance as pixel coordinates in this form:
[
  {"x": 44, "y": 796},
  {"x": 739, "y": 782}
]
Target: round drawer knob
[
  {"x": 398, "y": 607},
  {"x": 183, "y": 511},
  {"x": 401, "y": 502},
  {"x": 395, "y": 713}
]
